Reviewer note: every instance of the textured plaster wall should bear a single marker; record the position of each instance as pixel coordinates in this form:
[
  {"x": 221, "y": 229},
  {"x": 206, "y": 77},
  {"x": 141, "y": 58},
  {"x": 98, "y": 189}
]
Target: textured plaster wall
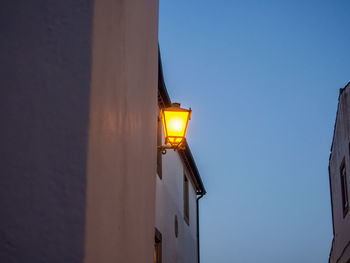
[
  {"x": 341, "y": 249},
  {"x": 78, "y": 112},
  {"x": 45, "y": 62},
  {"x": 122, "y": 133},
  {"x": 170, "y": 202}
]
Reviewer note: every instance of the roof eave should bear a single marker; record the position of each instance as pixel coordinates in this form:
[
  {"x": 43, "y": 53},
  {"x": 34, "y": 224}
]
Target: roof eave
[{"x": 186, "y": 154}]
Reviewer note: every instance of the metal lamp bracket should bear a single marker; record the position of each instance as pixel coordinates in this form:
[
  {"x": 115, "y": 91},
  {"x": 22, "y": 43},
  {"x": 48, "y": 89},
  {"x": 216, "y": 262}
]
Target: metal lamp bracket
[{"x": 163, "y": 148}]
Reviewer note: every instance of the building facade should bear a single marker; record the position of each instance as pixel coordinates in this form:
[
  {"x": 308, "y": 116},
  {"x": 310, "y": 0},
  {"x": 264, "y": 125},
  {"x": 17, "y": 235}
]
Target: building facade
[
  {"x": 78, "y": 107},
  {"x": 81, "y": 179},
  {"x": 339, "y": 171},
  {"x": 178, "y": 190}
]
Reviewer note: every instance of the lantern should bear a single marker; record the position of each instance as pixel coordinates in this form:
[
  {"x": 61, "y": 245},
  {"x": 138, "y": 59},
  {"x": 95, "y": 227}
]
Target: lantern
[{"x": 175, "y": 121}]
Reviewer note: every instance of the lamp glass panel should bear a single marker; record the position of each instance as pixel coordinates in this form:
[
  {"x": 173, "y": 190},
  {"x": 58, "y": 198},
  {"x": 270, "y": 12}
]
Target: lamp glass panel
[{"x": 176, "y": 124}]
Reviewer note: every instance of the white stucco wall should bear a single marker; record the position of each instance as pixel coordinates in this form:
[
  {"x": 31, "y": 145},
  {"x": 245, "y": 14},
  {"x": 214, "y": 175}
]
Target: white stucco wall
[
  {"x": 44, "y": 96},
  {"x": 122, "y": 132},
  {"x": 78, "y": 103},
  {"x": 170, "y": 203}
]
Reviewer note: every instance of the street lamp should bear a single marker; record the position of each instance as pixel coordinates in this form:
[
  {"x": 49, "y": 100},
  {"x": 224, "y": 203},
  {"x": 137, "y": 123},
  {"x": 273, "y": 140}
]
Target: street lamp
[{"x": 175, "y": 122}]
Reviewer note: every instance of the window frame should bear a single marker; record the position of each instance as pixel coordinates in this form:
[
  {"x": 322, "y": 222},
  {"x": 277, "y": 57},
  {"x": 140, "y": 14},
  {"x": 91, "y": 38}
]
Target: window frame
[
  {"x": 186, "y": 202},
  {"x": 157, "y": 246},
  {"x": 344, "y": 188},
  {"x": 159, "y": 152}
]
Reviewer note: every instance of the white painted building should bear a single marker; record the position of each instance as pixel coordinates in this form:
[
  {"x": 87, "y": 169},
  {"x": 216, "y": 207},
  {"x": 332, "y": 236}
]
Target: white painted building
[{"x": 178, "y": 189}]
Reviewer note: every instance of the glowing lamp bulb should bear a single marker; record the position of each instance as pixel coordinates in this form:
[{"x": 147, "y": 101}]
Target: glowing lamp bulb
[{"x": 176, "y": 124}]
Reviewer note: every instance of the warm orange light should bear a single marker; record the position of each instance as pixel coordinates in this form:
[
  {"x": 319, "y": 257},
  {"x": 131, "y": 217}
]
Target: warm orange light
[{"x": 175, "y": 121}]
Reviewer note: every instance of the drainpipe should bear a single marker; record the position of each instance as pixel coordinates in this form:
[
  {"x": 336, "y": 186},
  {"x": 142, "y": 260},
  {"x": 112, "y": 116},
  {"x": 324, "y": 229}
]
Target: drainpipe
[{"x": 198, "y": 251}]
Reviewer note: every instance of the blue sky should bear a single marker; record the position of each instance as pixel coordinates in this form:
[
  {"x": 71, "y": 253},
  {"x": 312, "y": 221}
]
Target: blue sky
[{"x": 262, "y": 79}]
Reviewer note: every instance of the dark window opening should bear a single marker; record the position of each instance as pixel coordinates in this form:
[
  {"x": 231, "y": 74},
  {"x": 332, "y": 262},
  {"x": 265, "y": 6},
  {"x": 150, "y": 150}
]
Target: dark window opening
[
  {"x": 176, "y": 227},
  {"x": 157, "y": 247},
  {"x": 159, "y": 153},
  {"x": 186, "y": 201},
  {"x": 344, "y": 188}
]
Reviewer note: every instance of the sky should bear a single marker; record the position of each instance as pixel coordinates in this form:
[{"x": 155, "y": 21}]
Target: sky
[{"x": 262, "y": 79}]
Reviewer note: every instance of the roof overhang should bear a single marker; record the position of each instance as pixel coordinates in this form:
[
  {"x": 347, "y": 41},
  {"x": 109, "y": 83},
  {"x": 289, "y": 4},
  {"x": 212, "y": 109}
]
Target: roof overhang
[{"x": 186, "y": 154}]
